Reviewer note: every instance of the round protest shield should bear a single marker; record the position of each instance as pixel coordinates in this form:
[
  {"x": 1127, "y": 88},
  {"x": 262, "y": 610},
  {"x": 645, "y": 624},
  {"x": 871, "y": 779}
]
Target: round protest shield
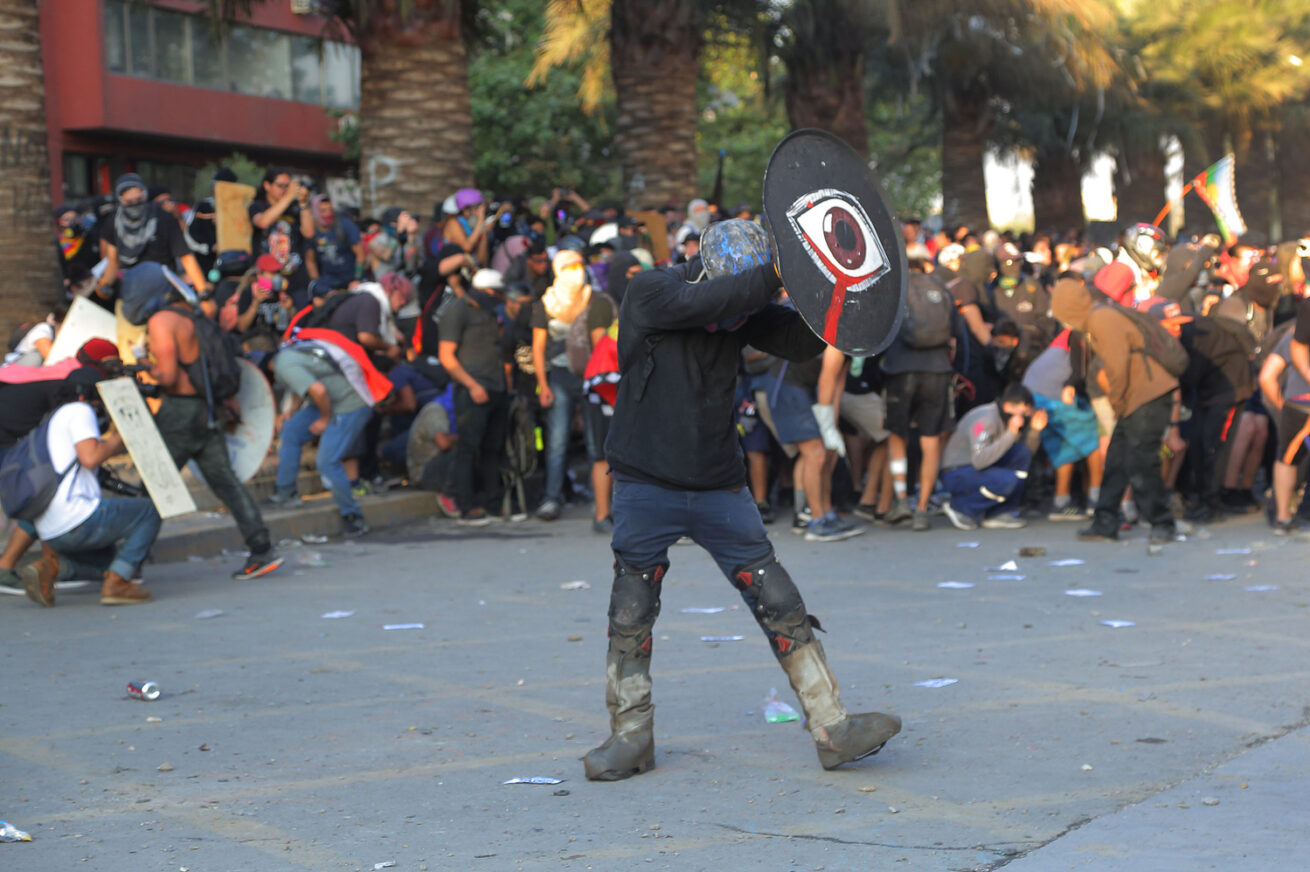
[
  {"x": 838, "y": 249},
  {"x": 248, "y": 445}
]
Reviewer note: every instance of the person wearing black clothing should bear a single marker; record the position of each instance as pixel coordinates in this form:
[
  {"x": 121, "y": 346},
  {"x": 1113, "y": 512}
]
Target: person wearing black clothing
[
  {"x": 469, "y": 349},
  {"x": 679, "y": 471},
  {"x": 281, "y": 223},
  {"x": 142, "y": 232}
]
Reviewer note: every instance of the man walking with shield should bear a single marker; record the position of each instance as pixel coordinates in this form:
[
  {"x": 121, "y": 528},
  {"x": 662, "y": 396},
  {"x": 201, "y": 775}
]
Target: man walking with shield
[{"x": 673, "y": 448}]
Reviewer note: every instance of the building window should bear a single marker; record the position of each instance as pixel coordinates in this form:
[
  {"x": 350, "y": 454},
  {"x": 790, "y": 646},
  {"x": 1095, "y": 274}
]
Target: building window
[{"x": 141, "y": 40}]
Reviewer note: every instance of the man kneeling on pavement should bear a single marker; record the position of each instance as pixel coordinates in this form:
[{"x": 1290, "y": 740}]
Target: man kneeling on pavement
[
  {"x": 986, "y": 461},
  {"x": 83, "y": 533}
]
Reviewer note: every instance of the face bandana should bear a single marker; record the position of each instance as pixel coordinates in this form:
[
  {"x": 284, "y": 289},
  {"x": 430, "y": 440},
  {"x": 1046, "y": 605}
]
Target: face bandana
[{"x": 566, "y": 299}]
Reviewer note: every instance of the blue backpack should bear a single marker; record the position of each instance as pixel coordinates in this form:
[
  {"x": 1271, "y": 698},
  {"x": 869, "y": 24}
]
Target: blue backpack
[{"x": 28, "y": 480}]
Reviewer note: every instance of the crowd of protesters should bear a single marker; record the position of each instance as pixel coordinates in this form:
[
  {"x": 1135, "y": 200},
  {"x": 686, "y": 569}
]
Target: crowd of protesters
[{"x": 473, "y": 355}]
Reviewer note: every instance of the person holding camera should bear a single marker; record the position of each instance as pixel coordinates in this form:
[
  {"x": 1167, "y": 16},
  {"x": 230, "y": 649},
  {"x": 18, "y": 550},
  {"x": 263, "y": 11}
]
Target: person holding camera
[
  {"x": 282, "y": 222},
  {"x": 986, "y": 461},
  {"x": 263, "y": 306}
]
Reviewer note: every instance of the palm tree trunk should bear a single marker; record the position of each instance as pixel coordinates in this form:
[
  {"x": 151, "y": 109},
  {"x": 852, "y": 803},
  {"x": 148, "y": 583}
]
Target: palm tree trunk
[
  {"x": 1255, "y": 184},
  {"x": 655, "y": 58},
  {"x": 1057, "y": 191},
  {"x": 27, "y": 249},
  {"x": 1139, "y": 184},
  {"x": 966, "y": 124},
  {"x": 415, "y": 118},
  {"x": 1293, "y": 171},
  {"x": 830, "y": 98}
]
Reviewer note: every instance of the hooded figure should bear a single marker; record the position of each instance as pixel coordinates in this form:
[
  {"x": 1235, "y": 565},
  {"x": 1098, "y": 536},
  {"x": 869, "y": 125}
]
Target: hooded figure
[
  {"x": 134, "y": 223},
  {"x": 621, "y": 265}
]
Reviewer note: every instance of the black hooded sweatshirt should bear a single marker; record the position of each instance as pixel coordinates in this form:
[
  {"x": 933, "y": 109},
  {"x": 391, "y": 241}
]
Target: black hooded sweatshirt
[{"x": 673, "y": 420}]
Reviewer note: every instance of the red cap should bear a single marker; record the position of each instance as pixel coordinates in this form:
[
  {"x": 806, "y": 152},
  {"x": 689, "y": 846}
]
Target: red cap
[
  {"x": 97, "y": 349},
  {"x": 1116, "y": 281},
  {"x": 268, "y": 263}
]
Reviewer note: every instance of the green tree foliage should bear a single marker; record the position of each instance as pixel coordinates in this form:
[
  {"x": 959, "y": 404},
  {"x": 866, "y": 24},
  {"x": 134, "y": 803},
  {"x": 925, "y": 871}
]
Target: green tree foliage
[
  {"x": 739, "y": 116},
  {"x": 530, "y": 139}
]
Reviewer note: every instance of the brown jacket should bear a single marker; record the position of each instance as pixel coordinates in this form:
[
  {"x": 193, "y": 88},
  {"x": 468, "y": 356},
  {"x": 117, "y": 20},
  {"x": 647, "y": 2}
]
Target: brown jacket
[{"x": 1134, "y": 379}]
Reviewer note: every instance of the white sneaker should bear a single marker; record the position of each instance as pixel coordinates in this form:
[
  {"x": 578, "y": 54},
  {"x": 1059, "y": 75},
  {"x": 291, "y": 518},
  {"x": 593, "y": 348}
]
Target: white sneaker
[
  {"x": 1004, "y": 522},
  {"x": 959, "y": 519}
]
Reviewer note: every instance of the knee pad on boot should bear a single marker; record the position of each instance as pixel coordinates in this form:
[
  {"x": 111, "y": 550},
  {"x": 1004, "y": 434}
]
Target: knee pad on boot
[
  {"x": 634, "y": 605},
  {"x": 776, "y": 603}
]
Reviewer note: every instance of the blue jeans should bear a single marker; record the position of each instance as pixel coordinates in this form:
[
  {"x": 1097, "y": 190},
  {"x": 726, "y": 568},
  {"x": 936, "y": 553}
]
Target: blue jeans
[
  {"x": 648, "y": 519},
  {"x": 567, "y": 388},
  {"x": 978, "y": 492},
  {"x": 93, "y": 546},
  {"x": 333, "y": 447}
]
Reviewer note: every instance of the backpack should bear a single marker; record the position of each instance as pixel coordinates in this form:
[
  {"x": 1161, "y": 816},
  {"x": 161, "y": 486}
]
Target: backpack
[
  {"x": 320, "y": 315},
  {"x": 215, "y": 368},
  {"x": 1158, "y": 344},
  {"x": 578, "y": 343},
  {"x": 28, "y": 480},
  {"x": 928, "y": 311},
  {"x": 19, "y": 334}
]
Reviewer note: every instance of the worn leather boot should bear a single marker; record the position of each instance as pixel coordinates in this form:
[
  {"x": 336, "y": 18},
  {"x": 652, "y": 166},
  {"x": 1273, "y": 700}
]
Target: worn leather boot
[
  {"x": 839, "y": 737},
  {"x": 39, "y": 578},
  {"x": 118, "y": 591},
  {"x": 630, "y": 749}
]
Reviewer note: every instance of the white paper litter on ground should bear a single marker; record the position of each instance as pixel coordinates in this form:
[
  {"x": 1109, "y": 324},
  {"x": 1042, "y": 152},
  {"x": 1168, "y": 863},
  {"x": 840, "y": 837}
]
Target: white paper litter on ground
[
  {"x": 1005, "y": 578},
  {"x": 575, "y": 585},
  {"x": 1007, "y": 566},
  {"x": 695, "y": 610},
  {"x": 338, "y": 614},
  {"x": 1260, "y": 588},
  {"x": 722, "y": 638},
  {"x": 402, "y": 626},
  {"x": 1220, "y": 576},
  {"x": 1118, "y": 625},
  {"x": 1233, "y": 551},
  {"x": 208, "y": 613},
  {"x": 1082, "y": 591},
  {"x": 966, "y": 544},
  {"x": 955, "y": 585},
  {"x": 1068, "y": 561},
  {"x": 936, "y": 682},
  {"x": 535, "y": 779}
]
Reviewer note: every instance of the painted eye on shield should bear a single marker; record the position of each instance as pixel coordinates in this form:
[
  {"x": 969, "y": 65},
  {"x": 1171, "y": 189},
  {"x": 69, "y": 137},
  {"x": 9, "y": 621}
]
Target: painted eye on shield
[{"x": 839, "y": 238}]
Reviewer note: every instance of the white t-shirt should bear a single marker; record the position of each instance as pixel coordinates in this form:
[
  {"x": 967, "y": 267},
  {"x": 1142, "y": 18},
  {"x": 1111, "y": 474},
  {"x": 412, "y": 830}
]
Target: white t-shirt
[
  {"x": 79, "y": 492},
  {"x": 27, "y": 344}
]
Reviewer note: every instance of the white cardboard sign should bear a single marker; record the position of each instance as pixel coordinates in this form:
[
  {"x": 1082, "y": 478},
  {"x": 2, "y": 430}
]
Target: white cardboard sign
[
  {"x": 123, "y": 402},
  {"x": 85, "y": 320}
]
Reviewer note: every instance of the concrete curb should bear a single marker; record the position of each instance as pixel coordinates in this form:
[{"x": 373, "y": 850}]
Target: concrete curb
[{"x": 211, "y": 533}]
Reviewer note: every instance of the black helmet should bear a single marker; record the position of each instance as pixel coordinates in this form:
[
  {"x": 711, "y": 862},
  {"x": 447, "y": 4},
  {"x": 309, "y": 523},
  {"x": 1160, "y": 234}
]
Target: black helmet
[
  {"x": 572, "y": 243},
  {"x": 1147, "y": 245}
]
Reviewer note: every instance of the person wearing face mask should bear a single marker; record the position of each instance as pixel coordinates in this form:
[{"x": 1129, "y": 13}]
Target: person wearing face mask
[
  {"x": 263, "y": 315},
  {"x": 338, "y": 250},
  {"x": 141, "y": 232},
  {"x": 679, "y": 471},
  {"x": 563, "y": 320},
  {"x": 469, "y": 349}
]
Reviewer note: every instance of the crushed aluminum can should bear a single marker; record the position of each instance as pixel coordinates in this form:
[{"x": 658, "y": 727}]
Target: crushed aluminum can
[{"x": 147, "y": 691}]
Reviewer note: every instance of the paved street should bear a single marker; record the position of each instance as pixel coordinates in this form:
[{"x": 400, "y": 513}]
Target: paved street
[{"x": 285, "y": 740}]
